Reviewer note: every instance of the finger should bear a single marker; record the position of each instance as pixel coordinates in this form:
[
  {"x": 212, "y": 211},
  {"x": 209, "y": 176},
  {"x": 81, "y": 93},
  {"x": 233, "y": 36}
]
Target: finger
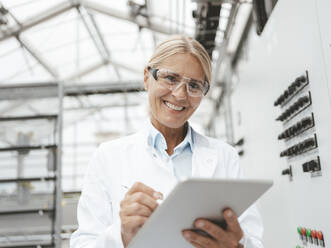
[
  {"x": 196, "y": 245},
  {"x": 143, "y": 199},
  {"x": 199, "y": 239},
  {"x": 212, "y": 229},
  {"x": 140, "y": 187},
  {"x": 232, "y": 223},
  {"x": 136, "y": 209}
]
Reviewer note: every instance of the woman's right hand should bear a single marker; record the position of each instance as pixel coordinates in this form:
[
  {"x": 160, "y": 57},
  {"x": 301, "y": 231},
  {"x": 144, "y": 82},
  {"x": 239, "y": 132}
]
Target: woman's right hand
[{"x": 136, "y": 207}]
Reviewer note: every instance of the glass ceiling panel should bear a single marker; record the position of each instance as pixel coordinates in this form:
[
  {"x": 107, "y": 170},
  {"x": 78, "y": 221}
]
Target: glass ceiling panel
[
  {"x": 176, "y": 15},
  {"x": 116, "y": 31},
  {"x": 102, "y": 74},
  {"x": 65, "y": 43},
  {"x": 23, "y": 9},
  {"x": 8, "y": 46},
  {"x": 19, "y": 64},
  {"x": 108, "y": 74},
  {"x": 35, "y": 73}
]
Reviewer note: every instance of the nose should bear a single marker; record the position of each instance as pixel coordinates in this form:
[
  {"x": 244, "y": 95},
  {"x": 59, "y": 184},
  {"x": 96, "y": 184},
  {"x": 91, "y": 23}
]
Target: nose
[{"x": 180, "y": 92}]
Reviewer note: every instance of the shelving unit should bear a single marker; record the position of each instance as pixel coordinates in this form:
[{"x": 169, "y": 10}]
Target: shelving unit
[{"x": 30, "y": 219}]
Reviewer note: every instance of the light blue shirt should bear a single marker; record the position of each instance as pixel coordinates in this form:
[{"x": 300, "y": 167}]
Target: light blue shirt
[{"x": 180, "y": 162}]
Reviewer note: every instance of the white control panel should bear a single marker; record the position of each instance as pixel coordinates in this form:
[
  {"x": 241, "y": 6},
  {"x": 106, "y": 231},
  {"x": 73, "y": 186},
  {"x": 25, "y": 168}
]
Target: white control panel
[{"x": 282, "y": 108}]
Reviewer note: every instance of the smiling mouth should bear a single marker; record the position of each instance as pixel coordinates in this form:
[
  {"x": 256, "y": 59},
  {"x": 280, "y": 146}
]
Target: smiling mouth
[{"x": 173, "y": 107}]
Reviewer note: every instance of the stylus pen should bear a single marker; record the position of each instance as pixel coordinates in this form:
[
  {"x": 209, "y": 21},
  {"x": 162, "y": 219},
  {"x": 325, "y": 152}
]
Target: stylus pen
[{"x": 159, "y": 201}]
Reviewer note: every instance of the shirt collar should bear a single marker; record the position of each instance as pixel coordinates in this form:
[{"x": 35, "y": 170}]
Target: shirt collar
[{"x": 156, "y": 139}]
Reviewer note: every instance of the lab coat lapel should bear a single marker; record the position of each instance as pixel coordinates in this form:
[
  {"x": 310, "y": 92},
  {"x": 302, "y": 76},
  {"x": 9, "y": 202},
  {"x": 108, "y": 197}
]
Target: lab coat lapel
[
  {"x": 149, "y": 169},
  {"x": 204, "y": 160}
]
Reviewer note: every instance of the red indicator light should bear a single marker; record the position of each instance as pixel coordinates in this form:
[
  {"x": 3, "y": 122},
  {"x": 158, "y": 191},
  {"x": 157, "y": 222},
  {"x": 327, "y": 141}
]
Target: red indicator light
[
  {"x": 320, "y": 235},
  {"x": 313, "y": 234},
  {"x": 303, "y": 231}
]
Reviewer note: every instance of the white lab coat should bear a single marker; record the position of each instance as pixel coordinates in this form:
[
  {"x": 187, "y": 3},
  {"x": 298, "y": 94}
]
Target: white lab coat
[{"x": 118, "y": 164}]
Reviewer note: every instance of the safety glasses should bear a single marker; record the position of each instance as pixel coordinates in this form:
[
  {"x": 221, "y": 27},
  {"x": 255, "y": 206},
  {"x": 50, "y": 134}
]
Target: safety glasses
[{"x": 173, "y": 81}]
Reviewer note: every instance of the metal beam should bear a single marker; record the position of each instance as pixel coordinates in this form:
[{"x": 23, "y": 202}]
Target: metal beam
[
  {"x": 36, "y": 19},
  {"x": 97, "y": 39},
  {"x": 100, "y": 50},
  {"x": 103, "y": 42},
  {"x": 49, "y": 89},
  {"x": 115, "y": 105},
  {"x": 102, "y": 9},
  {"x": 103, "y": 88},
  {"x": 34, "y": 53},
  {"x": 28, "y": 91}
]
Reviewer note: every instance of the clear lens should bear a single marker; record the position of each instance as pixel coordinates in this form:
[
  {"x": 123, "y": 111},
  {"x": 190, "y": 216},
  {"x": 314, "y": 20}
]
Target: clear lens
[{"x": 171, "y": 80}]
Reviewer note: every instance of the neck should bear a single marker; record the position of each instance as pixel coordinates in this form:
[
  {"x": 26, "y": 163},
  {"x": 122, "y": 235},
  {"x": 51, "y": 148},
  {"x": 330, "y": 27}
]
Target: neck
[{"x": 173, "y": 136}]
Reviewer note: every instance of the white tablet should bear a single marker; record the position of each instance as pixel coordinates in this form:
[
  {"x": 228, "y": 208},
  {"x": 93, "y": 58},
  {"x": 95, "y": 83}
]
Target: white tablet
[{"x": 192, "y": 199}]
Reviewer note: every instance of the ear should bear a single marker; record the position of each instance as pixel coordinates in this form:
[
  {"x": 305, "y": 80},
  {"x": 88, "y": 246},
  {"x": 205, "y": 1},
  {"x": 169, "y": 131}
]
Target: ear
[{"x": 146, "y": 77}]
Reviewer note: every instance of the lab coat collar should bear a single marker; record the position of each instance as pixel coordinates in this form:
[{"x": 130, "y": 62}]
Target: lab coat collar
[
  {"x": 156, "y": 139},
  {"x": 204, "y": 160}
]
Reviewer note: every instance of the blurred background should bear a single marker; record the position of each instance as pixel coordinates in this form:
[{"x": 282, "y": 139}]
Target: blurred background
[{"x": 71, "y": 77}]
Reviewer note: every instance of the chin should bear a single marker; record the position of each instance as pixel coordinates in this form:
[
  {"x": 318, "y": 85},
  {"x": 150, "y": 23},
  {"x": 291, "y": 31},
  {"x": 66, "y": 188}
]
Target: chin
[{"x": 173, "y": 123}]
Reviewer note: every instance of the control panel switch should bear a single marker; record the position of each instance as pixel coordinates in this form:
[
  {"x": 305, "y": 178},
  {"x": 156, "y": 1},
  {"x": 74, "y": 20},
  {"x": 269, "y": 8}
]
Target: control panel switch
[
  {"x": 312, "y": 165},
  {"x": 320, "y": 239},
  {"x": 288, "y": 172}
]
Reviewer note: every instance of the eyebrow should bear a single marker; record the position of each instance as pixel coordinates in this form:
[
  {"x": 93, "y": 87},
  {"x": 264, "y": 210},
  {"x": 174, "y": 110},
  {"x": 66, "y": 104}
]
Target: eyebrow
[
  {"x": 173, "y": 73},
  {"x": 178, "y": 75}
]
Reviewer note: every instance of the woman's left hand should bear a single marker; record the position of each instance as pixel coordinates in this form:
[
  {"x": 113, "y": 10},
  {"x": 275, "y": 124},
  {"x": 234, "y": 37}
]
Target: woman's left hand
[{"x": 221, "y": 238}]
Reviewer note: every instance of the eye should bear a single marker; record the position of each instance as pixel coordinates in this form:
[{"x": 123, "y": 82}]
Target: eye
[
  {"x": 171, "y": 78},
  {"x": 195, "y": 85}
]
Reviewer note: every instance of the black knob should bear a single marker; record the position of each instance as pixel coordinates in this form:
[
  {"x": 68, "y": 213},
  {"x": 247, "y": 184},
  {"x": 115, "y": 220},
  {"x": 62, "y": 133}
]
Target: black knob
[
  {"x": 300, "y": 102},
  {"x": 277, "y": 102},
  {"x": 306, "y": 167},
  {"x": 281, "y": 99},
  {"x": 306, "y": 99},
  {"x": 311, "y": 166},
  {"x": 302, "y": 79},
  {"x": 306, "y": 144},
  {"x": 286, "y": 94},
  {"x": 291, "y": 89},
  {"x": 281, "y": 136},
  {"x": 292, "y": 131},
  {"x": 311, "y": 142},
  {"x": 297, "y": 82},
  {"x": 296, "y": 149},
  {"x": 298, "y": 126}
]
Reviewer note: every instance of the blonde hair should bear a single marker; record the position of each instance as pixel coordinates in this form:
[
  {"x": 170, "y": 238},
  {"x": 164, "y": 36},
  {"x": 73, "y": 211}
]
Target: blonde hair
[{"x": 182, "y": 44}]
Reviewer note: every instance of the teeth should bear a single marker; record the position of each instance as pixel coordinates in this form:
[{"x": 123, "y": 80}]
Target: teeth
[{"x": 174, "y": 107}]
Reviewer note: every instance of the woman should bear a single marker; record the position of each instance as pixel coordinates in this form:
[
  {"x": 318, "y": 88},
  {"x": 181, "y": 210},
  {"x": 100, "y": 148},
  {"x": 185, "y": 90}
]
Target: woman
[{"x": 126, "y": 177}]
